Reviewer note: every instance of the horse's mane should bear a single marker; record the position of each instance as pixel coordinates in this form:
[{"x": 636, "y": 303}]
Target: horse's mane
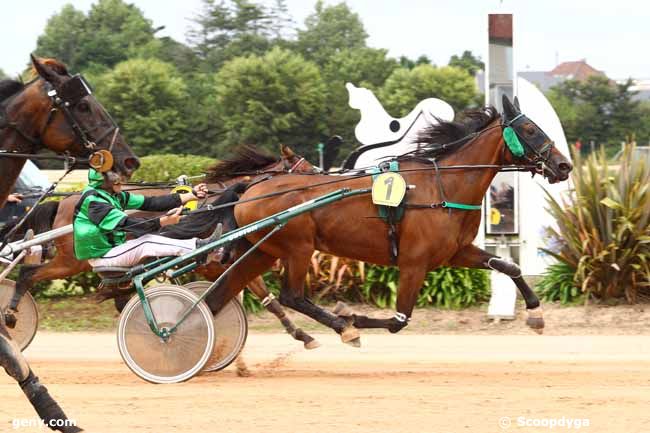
[
  {"x": 245, "y": 159},
  {"x": 445, "y": 137},
  {"x": 9, "y": 88}
]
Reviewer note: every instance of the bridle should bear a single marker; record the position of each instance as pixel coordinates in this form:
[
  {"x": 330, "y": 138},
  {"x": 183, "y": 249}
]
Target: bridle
[
  {"x": 294, "y": 167},
  {"x": 536, "y": 153},
  {"x": 65, "y": 99}
]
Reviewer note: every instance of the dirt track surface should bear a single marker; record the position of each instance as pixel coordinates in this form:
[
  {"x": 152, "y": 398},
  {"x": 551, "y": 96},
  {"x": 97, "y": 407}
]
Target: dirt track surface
[{"x": 394, "y": 383}]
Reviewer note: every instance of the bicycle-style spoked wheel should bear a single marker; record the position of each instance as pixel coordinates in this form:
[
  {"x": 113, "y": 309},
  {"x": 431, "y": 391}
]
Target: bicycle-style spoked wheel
[
  {"x": 180, "y": 356},
  {"x": 231, "y": 329},
  {"x": 26, "y": 316}
]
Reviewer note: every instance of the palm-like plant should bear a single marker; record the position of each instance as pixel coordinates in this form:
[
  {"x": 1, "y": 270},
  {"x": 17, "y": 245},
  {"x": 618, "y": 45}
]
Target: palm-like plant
[{"x": 602, "y": 226}]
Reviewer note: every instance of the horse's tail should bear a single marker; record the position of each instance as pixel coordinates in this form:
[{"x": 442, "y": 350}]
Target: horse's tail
[{"x": 40, "y": 220}]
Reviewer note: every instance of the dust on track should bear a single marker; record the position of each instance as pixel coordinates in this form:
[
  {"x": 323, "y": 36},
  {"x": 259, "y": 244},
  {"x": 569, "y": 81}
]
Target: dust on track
[{"x": 393, "y": 383}]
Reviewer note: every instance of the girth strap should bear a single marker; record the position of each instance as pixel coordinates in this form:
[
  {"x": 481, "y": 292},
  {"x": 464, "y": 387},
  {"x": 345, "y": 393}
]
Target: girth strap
[{"x": 443, "y": 204}]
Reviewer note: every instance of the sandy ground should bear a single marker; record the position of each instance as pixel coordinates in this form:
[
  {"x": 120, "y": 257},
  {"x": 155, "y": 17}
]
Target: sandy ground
[{"x": 394, "y": 383}]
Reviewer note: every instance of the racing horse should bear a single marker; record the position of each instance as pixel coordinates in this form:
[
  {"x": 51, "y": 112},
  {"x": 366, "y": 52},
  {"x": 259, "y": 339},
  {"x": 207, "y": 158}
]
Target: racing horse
[
  {"x": 432, "y": 232},
  {"x": 246, "y": 164},
  {"x": 51, "y": 111},
  {"x": 56, "y": 111}
]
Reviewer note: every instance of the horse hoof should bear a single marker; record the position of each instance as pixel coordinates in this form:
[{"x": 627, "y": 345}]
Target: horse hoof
[
  {"x": 354, "y": 343},
  {"x": 313, "y": 344},
  {"x": 10, "y": 320},
  {"x": 342, "y": 309},
  {"x": 349, "y": 334},
  {"x": 535, "y": 320}
]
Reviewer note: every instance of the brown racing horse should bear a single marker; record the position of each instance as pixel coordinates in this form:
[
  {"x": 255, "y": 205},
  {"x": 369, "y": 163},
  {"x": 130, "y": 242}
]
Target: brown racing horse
[
  {"x": 429, "y": 235},
  {"x": 247, "y": 164},
  {"x": 34, "y": 116}
]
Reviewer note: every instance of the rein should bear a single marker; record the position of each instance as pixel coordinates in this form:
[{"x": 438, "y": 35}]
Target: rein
[
  {"x": 42, "y": 197},
  {"x": 71, "y": 160}
]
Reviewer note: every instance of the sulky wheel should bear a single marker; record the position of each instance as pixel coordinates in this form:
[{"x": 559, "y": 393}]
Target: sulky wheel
[
  {"x": 177, "y": 358},
  {"x": 231, "y": 328},
  {"x": 26, "y": 316}
]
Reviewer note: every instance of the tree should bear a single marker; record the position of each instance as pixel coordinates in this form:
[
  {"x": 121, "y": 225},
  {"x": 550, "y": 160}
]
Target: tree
[
  {"x": 3, "y": 75},
  {"x": 282, "y": 26},
  {"x": 170, "y": 51},
  {"x": 63, "y": 36},
  {"x": 468, "y": 62},
  {"x": 364, "y": 67},
  {"x": 146, "y": 96},
  {"x": 406, "y": 87},
  {"x": 271, "y": 99},
  {"x": 596, "y": 109},
  {"x": 330, "y": 29},
  {"x": 233, "y": 28},
  {"x": 643, "y": 133},
  {"x": 106, "y": 36},
  {"x": 405, "y": 62}
]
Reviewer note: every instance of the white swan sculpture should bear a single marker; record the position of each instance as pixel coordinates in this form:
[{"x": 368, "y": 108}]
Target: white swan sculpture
[{"x": 384, "y": 136}]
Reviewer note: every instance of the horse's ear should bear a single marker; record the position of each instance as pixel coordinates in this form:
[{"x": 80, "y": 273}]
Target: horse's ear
[
  {"x": 517, "y": 104},
  {"x": 509, "y": 110},
  {"x": 286, "y": 151},
  {"x": 46, "y": 72}
]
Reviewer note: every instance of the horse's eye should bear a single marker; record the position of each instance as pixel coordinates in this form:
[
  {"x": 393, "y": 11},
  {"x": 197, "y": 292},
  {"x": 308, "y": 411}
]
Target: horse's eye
[
  {"x": 530, "y": 131},
  {"x": 83, "y": 106}
]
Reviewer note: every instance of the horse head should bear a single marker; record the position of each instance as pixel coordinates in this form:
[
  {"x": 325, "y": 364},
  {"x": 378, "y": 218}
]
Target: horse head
[
  {"x": 293, "y": 163},
  {"x": 529, "y": 143},
  {"x": 64, "y": 116}
]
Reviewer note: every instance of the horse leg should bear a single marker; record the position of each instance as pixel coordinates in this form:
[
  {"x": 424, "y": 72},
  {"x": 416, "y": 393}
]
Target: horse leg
[
  {"x": 410, "y": 282},
  {"x": 269, "y": 302},
  {"x": 61, "y": 266},
  {"x": 15, "y": 364},
  {"x": 474, "y": 257},
  {"x": 212, "y": 271},
  {"x": 292, "y": 295},
  {"x": 252, "y": 266}
]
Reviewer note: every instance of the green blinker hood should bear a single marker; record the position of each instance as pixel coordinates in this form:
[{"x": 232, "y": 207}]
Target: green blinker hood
[{"x": 95, "y": 178}]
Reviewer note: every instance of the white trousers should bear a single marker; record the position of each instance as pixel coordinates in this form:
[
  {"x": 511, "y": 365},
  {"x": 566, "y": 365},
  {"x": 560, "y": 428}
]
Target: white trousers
[{"x": 132, "y": 252}]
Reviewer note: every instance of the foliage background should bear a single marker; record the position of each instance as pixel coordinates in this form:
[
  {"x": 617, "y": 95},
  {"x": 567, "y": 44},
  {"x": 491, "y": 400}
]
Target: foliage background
[{"x": 247, "y": 73}]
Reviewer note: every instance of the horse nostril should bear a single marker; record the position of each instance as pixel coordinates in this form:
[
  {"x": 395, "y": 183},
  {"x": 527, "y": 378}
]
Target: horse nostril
[
  {"x": 131, "y": 163},
  {"x": 565, "y": 167}
]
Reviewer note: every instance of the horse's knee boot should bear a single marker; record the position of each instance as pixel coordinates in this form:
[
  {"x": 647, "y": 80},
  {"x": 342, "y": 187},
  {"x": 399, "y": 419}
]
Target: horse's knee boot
[
  {"x": 509, "y": 268},
  {"x": 45, "y": 406}
]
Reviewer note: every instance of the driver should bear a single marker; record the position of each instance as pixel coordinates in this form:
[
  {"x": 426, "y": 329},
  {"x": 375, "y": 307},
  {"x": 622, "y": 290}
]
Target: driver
[
  {"x": 101, "y": 225},
  {"x": 14, "y": 198}
]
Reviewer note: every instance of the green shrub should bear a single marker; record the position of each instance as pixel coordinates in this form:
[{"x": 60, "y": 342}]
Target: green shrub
[
  {"x": 445, "y": 287},
  {"x": 331, "y": 279},
  {"x": 557, "y": 284},
  {"x": 602, "y": 226},
  {"x": 162, "y": 168},
  {"x": 80, "y": 284},
  {"x": 455, "y": 288}
]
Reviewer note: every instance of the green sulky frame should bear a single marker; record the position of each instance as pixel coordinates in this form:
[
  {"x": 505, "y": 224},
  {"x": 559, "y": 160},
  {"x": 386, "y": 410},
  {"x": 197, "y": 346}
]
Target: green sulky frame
[{"x": 188, "y": 262}]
